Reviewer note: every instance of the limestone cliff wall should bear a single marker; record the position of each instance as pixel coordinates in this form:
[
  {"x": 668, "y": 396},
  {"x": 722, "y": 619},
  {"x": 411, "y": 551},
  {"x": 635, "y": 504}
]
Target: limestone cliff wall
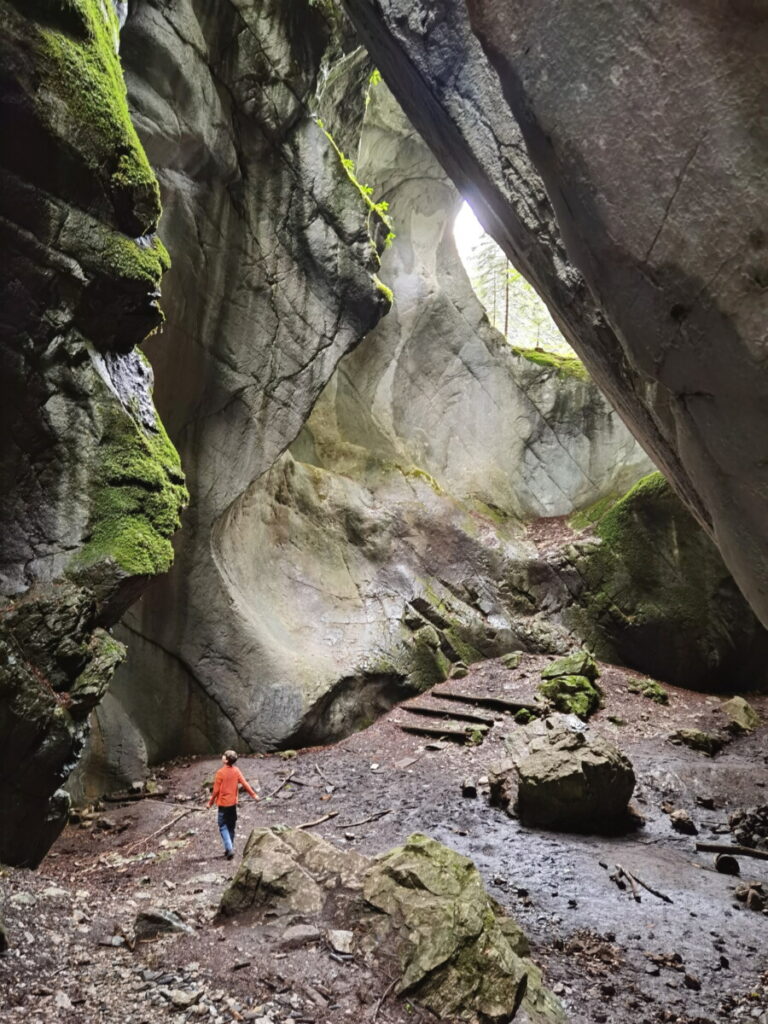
[{"x": 618, "y": 156}]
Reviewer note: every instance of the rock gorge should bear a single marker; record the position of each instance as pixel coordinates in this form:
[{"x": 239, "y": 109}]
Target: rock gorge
[{"x": 360, "y": 477}]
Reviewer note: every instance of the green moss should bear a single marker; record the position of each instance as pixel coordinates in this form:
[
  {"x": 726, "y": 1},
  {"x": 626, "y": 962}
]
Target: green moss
[
  {"x": 385, "y": 290},
  {"x": 379, "y": 210},
  {"x": 580, "y": 663},
  {"x": 139, "y": 497},
  {"x": 524, "y": 716},
  {"x": 651, "y": 689},
  {"x": 594, "y": 513},
  {"x": 124, "y": 258},
  {"x": 573, "y": 695},
  {"x": 566, "y": 366},
  {"x": 83, "y": 72}
]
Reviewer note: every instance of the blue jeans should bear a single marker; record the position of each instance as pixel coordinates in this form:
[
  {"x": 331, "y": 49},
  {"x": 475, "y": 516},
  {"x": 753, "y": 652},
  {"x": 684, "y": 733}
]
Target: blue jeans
[{"x": 227, "y": 822}]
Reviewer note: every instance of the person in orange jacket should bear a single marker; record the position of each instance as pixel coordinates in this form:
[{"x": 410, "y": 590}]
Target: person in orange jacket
[{"x": 226, "y": 783}]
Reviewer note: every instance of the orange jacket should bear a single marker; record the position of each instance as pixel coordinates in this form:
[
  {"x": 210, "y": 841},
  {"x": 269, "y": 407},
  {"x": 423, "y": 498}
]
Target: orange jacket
[{"x": 225, "y": 783}]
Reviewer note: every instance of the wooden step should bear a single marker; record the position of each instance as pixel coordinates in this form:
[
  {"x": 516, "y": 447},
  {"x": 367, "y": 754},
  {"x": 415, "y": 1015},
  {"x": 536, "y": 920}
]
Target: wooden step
[
  {"x": 498, "y": 703},
  {"x": 450, "y": 730},
  {"x": 434, "y": 711}
]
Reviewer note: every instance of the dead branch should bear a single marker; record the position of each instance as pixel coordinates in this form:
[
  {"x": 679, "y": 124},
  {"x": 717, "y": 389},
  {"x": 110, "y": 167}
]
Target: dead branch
[
  {"x": 323, "y": 776},
  {"x": 631, "y": 879},
  {"x": 163, "y": 828},
  {"x": 387, "y": 990},
  {"x": 373, "y": 817},
  {"x": 318, "y": 821},
  {"x": 283, "y": 783}
]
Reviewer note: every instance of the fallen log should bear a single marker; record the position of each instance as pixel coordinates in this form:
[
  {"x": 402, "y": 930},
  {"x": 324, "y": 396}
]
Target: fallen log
[
  {"x": 451, "y": 730},
  {"x": 736, "y": 851}
]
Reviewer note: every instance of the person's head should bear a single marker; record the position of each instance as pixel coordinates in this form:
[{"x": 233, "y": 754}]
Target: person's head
[{"x": 229, "y": 757}]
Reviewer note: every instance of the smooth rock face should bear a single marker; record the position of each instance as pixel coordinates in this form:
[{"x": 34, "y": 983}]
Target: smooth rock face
[
  {"x": 422, "y": 905},
  {"x": 664, "y": 221},
  {"x": 90, "y": 486},
  {"x": 273, "y": 283},
  {"x": 435, "y": 386},
  {"x": 286, "y": 619},
  {"x": 559, "y": 775}
]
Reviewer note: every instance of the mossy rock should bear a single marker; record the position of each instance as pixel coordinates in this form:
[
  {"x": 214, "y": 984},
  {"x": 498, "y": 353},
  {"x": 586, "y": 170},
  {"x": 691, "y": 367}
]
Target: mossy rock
[
  {"x": 705, "y": 742},
  {"x": 564, "y": 366},
  {"x": 742, "y": 716},
  {"x": 657, "y": 597},
  {"x": 511, "y": 660},
  {"x": 572, "y": 695},
  {"x": 651, "y": 689},
  {"x": 579, "y": 664}
]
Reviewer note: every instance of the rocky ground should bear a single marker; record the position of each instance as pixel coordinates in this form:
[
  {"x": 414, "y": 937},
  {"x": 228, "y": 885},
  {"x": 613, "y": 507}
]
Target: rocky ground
[{"x": 701, "y": 958}]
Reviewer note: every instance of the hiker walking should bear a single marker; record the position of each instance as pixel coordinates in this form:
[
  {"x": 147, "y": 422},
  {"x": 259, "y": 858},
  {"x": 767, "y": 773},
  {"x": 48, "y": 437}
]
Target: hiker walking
[{"x": 226, "y": 782}]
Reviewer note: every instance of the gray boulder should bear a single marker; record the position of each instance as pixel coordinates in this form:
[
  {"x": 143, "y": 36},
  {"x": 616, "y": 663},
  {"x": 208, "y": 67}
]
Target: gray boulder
[
  {"x": 560, "y": 775},
  {"x": 422, "y": 905}
]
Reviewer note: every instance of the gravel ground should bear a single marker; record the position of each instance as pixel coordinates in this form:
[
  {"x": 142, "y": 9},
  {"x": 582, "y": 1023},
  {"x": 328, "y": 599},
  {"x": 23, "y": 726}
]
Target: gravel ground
[{"x": 701, "y": 958}]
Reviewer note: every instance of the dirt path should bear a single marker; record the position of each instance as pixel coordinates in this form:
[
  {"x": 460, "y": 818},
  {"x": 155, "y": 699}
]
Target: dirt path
[{"x": 701, "y": 958}]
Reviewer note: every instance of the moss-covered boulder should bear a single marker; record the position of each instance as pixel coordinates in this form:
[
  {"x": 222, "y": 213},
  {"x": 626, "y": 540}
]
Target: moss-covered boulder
[
  {"x": 698, "y": 739},
  {"x": 580, "y": 663},
  {"x": 421, "y": 909},
  {"x": 650, "y": 689},
  {"x": 559, "y": 777},
  {"x": 741, "y": 716},
  {"x": 655, "y": 595},
  {"x": 573, "y": 695},
  {"x": 569, "y": 685}
]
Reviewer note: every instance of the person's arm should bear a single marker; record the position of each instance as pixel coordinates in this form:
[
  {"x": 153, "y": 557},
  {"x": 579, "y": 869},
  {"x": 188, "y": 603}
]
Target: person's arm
[
  {"x": 245, "y": 785},
  {"x": 216, "y": 788}
]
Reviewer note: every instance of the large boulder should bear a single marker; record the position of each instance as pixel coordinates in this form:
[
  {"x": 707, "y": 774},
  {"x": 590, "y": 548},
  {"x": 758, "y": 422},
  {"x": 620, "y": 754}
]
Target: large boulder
[
  {"x": 420, "y": 907},
  {"x": 559, "y": 775}
]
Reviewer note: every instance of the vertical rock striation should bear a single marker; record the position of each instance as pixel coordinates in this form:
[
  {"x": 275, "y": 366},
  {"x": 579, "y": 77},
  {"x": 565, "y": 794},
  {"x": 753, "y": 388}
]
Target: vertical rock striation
[
  {"x": 90, "y": 486},
  {"x": 273, "y": 281}
]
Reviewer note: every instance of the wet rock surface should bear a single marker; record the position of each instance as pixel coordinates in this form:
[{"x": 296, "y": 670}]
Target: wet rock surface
[{"x": 606, "y": 956}]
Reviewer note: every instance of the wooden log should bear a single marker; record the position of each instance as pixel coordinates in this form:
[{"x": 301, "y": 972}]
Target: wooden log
[
  {"x": 736, "y": 851},
  {"x": 433, "y": 712}
]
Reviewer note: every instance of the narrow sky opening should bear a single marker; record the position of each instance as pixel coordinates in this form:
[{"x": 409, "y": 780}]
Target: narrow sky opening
[{"x": 512, "y": 305}]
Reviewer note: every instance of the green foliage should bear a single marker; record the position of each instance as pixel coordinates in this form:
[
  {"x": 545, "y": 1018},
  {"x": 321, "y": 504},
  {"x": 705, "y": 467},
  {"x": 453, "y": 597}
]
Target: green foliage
[
  {"x": 512, "y": 304},
  {"x": 375, "y": 78},
  {"x": 379, "y": 210}
]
